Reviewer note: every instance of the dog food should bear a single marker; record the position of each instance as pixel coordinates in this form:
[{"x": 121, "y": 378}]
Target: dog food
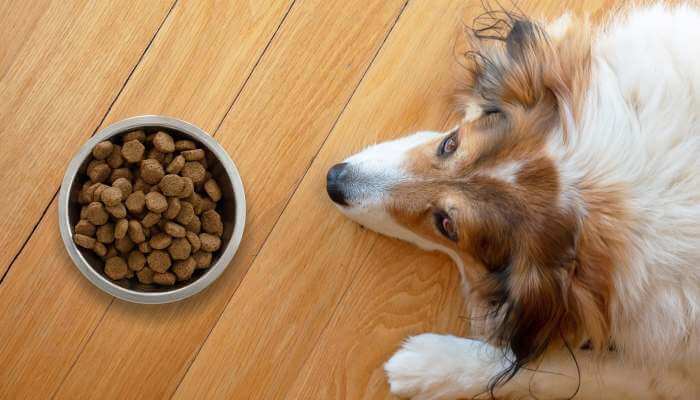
[{"x": 149, "y": 208}]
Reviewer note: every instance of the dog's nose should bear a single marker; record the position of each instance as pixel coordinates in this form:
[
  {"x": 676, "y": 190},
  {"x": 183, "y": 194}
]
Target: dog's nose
[{"x": 334, "y": 185}]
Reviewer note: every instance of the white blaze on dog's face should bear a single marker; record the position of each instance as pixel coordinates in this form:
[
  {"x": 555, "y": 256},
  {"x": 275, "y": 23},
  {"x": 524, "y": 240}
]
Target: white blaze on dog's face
[{"x": 489, "y": 192}]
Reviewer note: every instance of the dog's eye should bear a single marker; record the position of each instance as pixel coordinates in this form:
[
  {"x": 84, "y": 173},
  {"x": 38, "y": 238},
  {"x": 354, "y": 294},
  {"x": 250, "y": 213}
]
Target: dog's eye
[
  {"x": 488, "y": 111},
  {"x": 445, "y": 225},
  {"x": 449, "y": 145}
]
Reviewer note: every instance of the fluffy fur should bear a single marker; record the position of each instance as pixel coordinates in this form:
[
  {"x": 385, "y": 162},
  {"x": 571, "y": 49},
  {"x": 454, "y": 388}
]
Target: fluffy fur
[{"x": 570, "y": 200}]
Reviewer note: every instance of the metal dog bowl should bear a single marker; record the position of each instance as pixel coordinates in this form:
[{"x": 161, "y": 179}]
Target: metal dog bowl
[{"x": 232, "y": 209}]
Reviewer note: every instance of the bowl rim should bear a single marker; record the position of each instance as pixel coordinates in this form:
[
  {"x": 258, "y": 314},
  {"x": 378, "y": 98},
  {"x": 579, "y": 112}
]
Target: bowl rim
[{"x": 214, "y": 271}]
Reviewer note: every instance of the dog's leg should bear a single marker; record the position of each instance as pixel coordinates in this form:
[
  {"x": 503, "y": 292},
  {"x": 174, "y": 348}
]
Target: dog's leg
[{"x": 432, "y": 366}]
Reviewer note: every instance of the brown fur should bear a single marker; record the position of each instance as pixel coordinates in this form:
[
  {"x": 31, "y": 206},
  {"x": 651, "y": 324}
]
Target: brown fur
[{"x": 541, "y": 268}]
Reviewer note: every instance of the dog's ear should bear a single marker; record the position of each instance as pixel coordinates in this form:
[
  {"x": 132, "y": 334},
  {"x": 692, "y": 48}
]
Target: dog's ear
[{"x": 520, "y": 39}]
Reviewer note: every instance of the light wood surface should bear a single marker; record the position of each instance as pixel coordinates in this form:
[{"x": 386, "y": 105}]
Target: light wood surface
[{"x": 312, "y": 305}]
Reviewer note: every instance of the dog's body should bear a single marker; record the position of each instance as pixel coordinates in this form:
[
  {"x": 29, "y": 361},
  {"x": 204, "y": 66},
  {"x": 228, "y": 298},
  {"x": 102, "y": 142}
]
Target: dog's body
[{"x": 587, "y": 184}]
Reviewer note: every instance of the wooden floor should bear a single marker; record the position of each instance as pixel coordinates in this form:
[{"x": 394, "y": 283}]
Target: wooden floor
[{"x": 312, "y": 305}]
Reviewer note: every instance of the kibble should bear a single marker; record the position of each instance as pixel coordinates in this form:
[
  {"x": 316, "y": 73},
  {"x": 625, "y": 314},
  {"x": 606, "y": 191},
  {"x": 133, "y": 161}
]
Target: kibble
[
  {"x": 165, "y": 279},
  {"x": 151, "y": 171},
  {"x": 180, "y": 249},
  {"x": 210, "y": 243},
  {"x": 174, "y": 207},
  {"x": 149, "y": 208},
  {"x": 84, "y": 227},
  {"x": 175, "y": 230},
  {"x": 132, "y": 151},
  {"x": 111, "y": 196},
  {"x": 102, "y": 150},
  {"x": 121, "y": 227},
  {"x": 183, "y": 269},
  {"x": 212, "y": 189},
  {"x": 172, "y": 185},
  {"x": 156, "y": 202},
  {"x": 116, "y": 268}
]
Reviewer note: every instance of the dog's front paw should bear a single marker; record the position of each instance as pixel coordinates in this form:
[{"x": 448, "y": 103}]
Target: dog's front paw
[{"x": 431, "y": 366}]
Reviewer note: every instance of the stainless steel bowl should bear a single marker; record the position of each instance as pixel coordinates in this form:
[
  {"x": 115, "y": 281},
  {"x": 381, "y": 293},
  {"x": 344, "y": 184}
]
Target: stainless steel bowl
[{"x": 232, "y": 209}]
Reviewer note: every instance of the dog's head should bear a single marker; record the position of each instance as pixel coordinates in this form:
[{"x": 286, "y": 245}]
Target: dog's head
[{"x": 489, "y": 192}]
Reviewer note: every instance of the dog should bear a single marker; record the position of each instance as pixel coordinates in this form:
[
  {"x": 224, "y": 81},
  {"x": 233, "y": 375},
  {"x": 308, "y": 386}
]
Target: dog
[{"x": 569, "y": 199}]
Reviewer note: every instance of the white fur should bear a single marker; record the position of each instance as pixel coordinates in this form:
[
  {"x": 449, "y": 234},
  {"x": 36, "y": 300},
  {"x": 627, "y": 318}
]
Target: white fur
[{"x": 640, "y": 130}]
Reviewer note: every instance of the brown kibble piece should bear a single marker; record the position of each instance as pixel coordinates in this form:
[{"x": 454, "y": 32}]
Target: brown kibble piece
[
  {"x": 121, "y": 228},
  {"x": 183, "y": 269},
  {"x": 136, "y": 233},
  {"x": 98, "y": 171},
  {"x": 186, "y": 213},
  {"x": 194, "y": 171},
  {"x": 97, "y": 192},
  {"x": 111, "y": 196},
  {"x": 84, "y": 241},
  {"x": 195, "y": 225},
  {"x": 207, "y": 204},
  {"x": 105, "y": 233},
  {"x": 136, "y": 261},
  {"x": 176, "y": 165},
  {"x": 174, "y": 207},
  {"x": 145, "y": 276},
  {"x": 172, "y": 185},
  {"x": 180, "y": 249},
  {"x": 124, "y": 185},
  {"x": 150, "y": 219},
  {"x": 188, "y": 189},
  {"x": 87, "y": 193},
  {"x": 115, "y": 268},
  {"x": 211, "y": 222},
  {"x": 132, "y": 151},
  {"x": 124, "y": 245},
  {"x": 134, "y": 135},
  {"x": 210, "y": 242},
  {"x": 154, "y": 154},
  {"x": 115, "y": 159},
  {"x": 160, "y": 241},
  {"x": 151, "y": 171},
  {"x": 120, "y": 173},
  {"x": 174, "y": 230},
  {"x": 136, "y": 202},
  {"x": 84, "y": 227},
  {"x": 164, "y": 142},
  {"x": 166, "y": 279},
  {"x": 196, "y": 200},
  {"x": 144, "y": 247},
  {"x": 102, "y": 150},
  {"x": 193, "y": 155},
  {"x": 100, "y": 249},
  {"x": 96, "y": 213},
  {"x": 156, "y": 202},
  {"x": 194, "y": 241},
  {"x": 118, "y": 211},
  {"x": 182, "y": 145},
  {"x": 212, "y": 189},
  {"x": 158, "y": 261},
  {"x": 202, "y": 258}
]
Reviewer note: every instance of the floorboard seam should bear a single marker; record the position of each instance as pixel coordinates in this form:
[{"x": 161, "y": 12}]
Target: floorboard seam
[
  {"x": 102, "y": 120},
  {"x": 111, "y": 301}
]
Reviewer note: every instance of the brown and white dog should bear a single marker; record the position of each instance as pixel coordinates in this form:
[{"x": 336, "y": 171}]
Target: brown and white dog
[{"x": 569, "y": 198}]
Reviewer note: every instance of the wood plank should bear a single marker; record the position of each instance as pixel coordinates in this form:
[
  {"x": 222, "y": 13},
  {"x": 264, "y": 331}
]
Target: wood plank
[
  {"x": 57, "y": 88},
  {"x": 272, "y": 132},
  {"x": 18, "y": 19},
  {"x": 276, "y": 338},
  {"x": 47, "y": 309}
]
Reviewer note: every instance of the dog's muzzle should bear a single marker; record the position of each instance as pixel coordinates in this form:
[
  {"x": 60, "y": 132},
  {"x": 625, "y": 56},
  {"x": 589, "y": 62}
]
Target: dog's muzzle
[{"x": 335, "y": 183}]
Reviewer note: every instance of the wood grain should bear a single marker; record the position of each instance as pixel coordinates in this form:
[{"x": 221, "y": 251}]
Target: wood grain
[
  {"x": 64, "y": 64},
  {"x": 47, "y": 309},
  {"x": 272, "y": 132},
  {"x": 325, "y": 303}
]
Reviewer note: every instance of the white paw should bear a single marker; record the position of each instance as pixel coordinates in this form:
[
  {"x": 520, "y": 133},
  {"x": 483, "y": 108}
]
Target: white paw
[{"x": 431, "y": 366}]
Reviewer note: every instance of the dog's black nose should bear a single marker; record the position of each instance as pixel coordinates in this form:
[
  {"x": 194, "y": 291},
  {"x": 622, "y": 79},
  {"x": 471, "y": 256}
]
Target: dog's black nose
[{"x": 334, "y": 184}]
